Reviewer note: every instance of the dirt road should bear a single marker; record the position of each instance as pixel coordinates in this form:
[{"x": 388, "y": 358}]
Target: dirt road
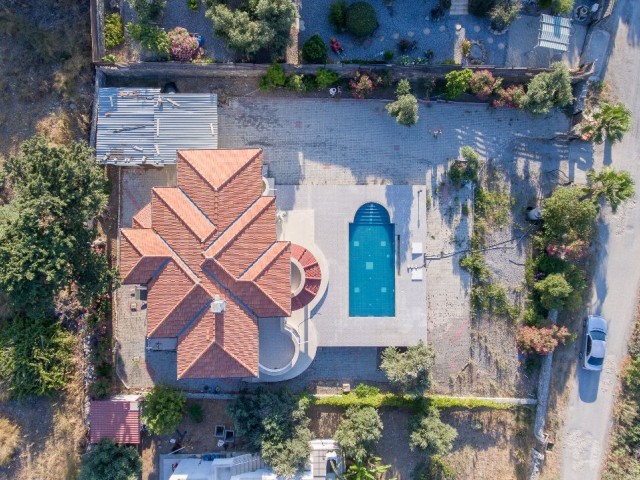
[{"x": 588, "y": 417}]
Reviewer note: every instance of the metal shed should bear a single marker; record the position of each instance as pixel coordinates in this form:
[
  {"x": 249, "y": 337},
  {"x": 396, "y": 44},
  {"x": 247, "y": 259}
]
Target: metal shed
[
  {"x": 138, "y": 126},
  {"x": 555, "y": 32}
]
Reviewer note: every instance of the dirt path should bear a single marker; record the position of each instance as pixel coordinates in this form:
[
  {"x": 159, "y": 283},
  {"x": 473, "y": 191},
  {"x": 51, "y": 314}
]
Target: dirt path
[{"x": 585, "y": 433}]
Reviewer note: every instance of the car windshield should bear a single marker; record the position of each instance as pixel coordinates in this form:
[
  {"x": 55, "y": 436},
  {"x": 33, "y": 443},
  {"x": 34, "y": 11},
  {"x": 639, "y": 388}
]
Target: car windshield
[
  {"x": 595, "y": 361},
  {"x": 598, "y": 335}
]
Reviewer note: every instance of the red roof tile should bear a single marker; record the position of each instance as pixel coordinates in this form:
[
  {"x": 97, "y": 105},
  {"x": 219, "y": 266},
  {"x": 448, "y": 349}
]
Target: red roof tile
[
  {"x": 115, "y": 419},
  {"x": 218, "y": 167},
  {"x": 244, "y": 265}
]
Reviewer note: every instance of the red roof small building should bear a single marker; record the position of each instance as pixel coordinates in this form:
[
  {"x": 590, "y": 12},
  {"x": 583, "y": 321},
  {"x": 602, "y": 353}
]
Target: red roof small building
[
  {"x": 208, "y": 254},
  {"x": 117, "y": 419}
]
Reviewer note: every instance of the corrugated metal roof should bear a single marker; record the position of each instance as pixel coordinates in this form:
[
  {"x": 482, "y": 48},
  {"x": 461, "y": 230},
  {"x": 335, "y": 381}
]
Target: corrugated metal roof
[{"x": 143, "y": 126}]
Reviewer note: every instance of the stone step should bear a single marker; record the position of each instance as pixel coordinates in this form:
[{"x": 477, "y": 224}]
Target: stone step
[{"x": 459, "y": 7}]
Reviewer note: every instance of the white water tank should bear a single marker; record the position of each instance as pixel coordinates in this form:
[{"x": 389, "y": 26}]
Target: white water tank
[{"x": 218, "y": 305}]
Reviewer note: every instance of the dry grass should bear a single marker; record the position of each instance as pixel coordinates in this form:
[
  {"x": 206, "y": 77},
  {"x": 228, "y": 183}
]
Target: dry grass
[{"x": 9, "y": 439}]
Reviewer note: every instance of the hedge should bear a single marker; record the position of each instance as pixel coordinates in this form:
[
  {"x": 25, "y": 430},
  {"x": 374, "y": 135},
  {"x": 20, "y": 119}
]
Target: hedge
[{"x": 408, "y": 402}]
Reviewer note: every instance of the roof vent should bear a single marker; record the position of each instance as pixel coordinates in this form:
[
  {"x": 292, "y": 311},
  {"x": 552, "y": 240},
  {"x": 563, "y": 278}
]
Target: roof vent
[{"x": 218, "y": 305}]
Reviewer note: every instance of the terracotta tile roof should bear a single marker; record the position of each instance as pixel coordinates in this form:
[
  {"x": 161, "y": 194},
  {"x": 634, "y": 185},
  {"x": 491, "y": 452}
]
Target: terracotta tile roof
[
  {"x": 216, "y": 237},
  {"x": 142, "y": 219},
  {"x": 218, "y": 167},
  {"x": 186, "y": 210},
  {"x": 115, "y": 419}
]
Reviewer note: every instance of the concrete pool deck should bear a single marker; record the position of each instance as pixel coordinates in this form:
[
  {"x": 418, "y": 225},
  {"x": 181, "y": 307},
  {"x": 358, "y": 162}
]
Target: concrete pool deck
[{"x": 331, "y": 208}]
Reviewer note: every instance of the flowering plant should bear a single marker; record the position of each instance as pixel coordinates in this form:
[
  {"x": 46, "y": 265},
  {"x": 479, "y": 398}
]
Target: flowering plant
[
  {"x": 542, "y": 341},
  {"x": 183, "y": 46}
]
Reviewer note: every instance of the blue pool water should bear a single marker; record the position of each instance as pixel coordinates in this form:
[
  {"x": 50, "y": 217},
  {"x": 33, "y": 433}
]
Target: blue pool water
[{"x": 372, "y": 288}]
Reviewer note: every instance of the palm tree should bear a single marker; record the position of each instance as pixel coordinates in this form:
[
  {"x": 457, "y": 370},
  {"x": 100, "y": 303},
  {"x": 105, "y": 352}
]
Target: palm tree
[
  {"x": 611, "y": 121},
  {"x": 613, "y": 186}
]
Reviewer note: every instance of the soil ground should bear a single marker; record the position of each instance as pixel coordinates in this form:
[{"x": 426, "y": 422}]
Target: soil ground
[{"x": 45, "y": 88}]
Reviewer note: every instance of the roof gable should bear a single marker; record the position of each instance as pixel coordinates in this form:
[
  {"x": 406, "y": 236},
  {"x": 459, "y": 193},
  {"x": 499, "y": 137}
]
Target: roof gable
[
  {"x": 185, "y": 210},
  {"x": 218, "y": 167}
]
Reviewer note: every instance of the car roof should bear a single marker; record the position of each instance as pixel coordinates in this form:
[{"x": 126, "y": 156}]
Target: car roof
[{"x": 598, "y": 348}]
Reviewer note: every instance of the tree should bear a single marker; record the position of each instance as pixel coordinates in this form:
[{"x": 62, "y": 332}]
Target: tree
[
  {"x": 504, "y": 13},
  {"x": 405, "y": 108},
  {"x": 275, "y": 424},
  {"x": 359, "y": 432},
  {"x": 108, "y": 461},
  {"x": 264, "y": 24},
  {"x": 163, "y": 409},
  {"x": 562, "y": 7},
  {"x": 568, "y": 216},
  {"x": 411, "y": 370},
  {"x": 429, "y": 434},
  {"x": 610, "y": 122},
  {"x": 615, "y": 187},
  {"x": 549, "y": 89},
  {"x": 542, "y": 340},
  {"x": 553, "y": 290},
  {"x": 361, "y": 19},
  {"x": 371, "y": 469},
  {"x": 457, "y": 82},
  {"x": 35, "y": 356},
  {"x": 314, "y": 50},
  {"x": 44, "y": 234}
]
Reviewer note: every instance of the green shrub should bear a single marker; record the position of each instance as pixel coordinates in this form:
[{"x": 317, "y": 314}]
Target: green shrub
[
  {"x": 504, "y": 13},
  {"x": 361, "y": 19},
  {"x": 493, "y": 206},
  {"x": 474, "y": 263},
  {"x": 359, "y": 432},
  {"x": 430, "y": 435},
  {"x": 276, "y": 77},
  {"x": 568, "y": 216},
  {"x": 152, "y": 38},
  {"x": 193, "y": 4},
  {"x": 110, "y": 58},
  {"x": 296, "y": 83},
  {"x": 492, "y": 298},
  {"x": 465, "y": 170},
  {"x": 549, "y": 89},
  {"x": 35, "y": 356},
  {"x": 148, "y": 10},
  {"x": 196, "y": 413},
  {"x": 326, "y": 78},
  {"x": 113, "y": 30},
  {"x": 108, "y": 461},
  {"x": 553, "y": 290},
  {"x": 338, "y": 15},
  {"x": 363, "y": 390},
  {"x": 457, "y": 82},
  {"x": 314, "y": 50},
  {"x": 388, "y": 55},
  {"x": 562, "y": 7},
  {"x": 163, "y": 409},
  {"x": 405, "y": 108}
]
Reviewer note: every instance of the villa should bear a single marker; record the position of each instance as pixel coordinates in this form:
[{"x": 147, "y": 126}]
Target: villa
[{"x": 227, "y": 274}]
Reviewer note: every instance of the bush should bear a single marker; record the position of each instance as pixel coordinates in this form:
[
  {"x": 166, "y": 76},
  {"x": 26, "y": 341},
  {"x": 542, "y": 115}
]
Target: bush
[
  {"x": 542, "y": 341},
  {"x": 410, "y": 371},
  {"x": 482, "y": 83},
  {"x": 163, "y": 409},
  {"x": 465, "y": 47},
  {"x": 553, "y": 291},
  {"x": 514, "y": 97},
  {"x": 430, "y": 435},
  {"x": 465, "y": 170},
  {"x": 363, "y": 391},
  {"x": 409, "y": 402},
  {"x": 111, "y": 58},
  {"x": 457, "y": 82},
  {"x": 108, "y": 461},
  {"x": 474, "y": 264},
  {"x": 9, "y": 440},
  {"x": 361, "y": 85},
  {"x": 562, "y": 7},
  {"x": 196, "y": 413},
  {"x": 276, "y": 424},
  {"x": 361, "y": 19},
  {"x": 148, "y": 10},
  {"x": 492, "y": 206},
  {"x": 314, "y": 50},
  {"x": 568, "y": 216},
  {"x": 183, "y": 45},
  {"x": 359, "y": 432},
  {"x": 405, "y": 108},
  {"x": 326, "y": 78},
  {"x": 35, "y": 356},
  {"x": 275, "y": 77},
  {"x": 296, "y": 83},
  {"x": 192, "y": 4},
  {"x": 338, "y": 15},
  {"x": 481, "y": 8},
  {"x": 113, "y": 30},
  {"x": 549, "y": 89},
  {"x": 152, "y": 38},
  {"x": 388, "y": 55},
  {"x": 504, "y": 13}
]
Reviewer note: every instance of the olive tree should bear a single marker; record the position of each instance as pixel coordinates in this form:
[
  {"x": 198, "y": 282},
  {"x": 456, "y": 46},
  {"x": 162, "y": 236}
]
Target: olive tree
[
  {"x": 549, "y": 89},
  {"x": 410, "y": 370},
  {"x": 358, "y": 433},
  {"x": 108, "y": 461},
  {"x": 405, "y": 108},
  {"x": 429, "y": 434},
  {"x": 568, "y": 216},
  {"x": 163, "y": 409}
]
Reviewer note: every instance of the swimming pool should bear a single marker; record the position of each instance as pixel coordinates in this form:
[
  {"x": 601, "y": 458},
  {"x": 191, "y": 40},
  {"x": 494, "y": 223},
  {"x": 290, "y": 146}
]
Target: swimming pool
[{"x": 372, "y": 288}]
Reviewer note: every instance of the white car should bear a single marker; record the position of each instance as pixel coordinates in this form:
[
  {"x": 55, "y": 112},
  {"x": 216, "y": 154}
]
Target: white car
[{"x": 595, "y": 343}]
